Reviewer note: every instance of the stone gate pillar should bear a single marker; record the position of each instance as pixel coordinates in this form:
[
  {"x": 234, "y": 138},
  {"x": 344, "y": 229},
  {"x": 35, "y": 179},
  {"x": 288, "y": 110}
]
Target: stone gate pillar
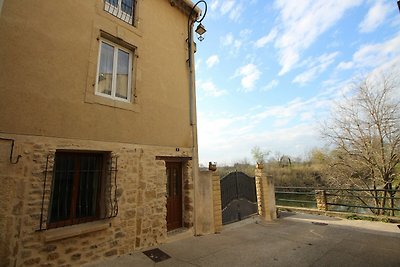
[
  {"x": 265, "y": 194},
  {"x": 208, "y": 218},
  {"x": 320, "y": 197},
  {"x": 216, "y": 192}
]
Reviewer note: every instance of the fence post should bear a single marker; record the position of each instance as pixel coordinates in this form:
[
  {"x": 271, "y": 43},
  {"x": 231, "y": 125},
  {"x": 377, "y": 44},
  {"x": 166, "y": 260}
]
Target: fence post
[
  {"x": 216, "y": 194},
  {"x": 265, "y": 194},
  {"x": 320, "y": 197}
]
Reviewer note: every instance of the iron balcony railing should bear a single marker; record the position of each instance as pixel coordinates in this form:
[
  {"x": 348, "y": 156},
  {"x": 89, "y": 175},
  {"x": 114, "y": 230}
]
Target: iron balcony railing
[{"x": 365, "y": 201}]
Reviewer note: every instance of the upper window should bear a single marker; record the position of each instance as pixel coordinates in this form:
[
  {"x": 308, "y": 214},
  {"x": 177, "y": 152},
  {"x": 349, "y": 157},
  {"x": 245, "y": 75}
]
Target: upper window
[
  {"x": 123, "y": 9},
  {"x": 78, "y": 179},
  {"x": 114, "y": 72}
]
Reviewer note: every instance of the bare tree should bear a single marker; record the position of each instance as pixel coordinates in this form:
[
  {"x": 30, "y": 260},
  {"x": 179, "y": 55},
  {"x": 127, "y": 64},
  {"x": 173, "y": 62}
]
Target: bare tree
[
  {"x": 259, "y": 155},
  {"x": 365, "y": 131}
]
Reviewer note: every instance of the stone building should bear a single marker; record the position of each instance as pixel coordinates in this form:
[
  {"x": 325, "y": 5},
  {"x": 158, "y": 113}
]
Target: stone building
[{"x": 98, "y": 141}]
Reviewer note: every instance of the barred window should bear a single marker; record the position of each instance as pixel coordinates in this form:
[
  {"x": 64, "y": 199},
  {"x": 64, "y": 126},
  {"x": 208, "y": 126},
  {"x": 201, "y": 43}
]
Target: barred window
[
  {"x": 123, "y": 9},
  {"x": 78, "y": 181}
]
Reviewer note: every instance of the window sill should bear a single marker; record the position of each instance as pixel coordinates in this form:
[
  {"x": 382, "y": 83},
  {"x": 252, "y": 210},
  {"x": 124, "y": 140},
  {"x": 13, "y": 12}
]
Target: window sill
[
  {"x": 96, "y": 99},
  {"x": 75, "y": 230}
]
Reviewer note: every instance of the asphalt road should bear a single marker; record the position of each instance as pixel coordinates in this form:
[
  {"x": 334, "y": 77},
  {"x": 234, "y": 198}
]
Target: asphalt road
[{"x": 293, "y": 240}]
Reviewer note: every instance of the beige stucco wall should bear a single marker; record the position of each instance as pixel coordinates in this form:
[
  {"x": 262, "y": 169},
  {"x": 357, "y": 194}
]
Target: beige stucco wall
[{"x": 49, "y": 53}]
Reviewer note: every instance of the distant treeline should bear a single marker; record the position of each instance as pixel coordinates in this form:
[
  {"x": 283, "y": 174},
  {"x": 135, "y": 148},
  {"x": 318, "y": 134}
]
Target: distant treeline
[{"x": 289, "y": 172}]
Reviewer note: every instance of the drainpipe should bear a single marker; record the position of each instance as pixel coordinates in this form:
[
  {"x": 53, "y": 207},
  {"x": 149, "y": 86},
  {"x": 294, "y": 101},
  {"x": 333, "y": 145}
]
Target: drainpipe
[
  {"x": 1, "y": 6},
  {"x": 192, "y": 105},
  {"x": 193, "y": 124}
]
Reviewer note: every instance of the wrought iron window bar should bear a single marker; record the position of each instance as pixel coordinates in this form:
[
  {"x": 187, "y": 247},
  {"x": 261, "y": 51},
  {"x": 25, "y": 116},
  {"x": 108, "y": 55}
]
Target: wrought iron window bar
[
  {"x": 122, "y": 9},
  {"x": 110, "y": 207}
]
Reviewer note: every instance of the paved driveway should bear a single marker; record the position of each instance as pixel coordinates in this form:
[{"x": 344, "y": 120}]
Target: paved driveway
[{"x": 293, "y": 240}]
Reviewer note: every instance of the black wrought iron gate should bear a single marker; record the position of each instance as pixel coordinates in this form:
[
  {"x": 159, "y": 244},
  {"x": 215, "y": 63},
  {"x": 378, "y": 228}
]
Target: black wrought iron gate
[{"x": 238, "y": 197}]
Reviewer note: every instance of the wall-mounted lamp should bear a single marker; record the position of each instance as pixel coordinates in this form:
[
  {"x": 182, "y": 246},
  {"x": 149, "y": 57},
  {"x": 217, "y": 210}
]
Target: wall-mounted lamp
[{"x": 200, "y": 30}]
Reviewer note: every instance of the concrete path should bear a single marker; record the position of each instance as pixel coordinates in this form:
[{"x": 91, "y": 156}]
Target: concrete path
[{"x": 293, "y": 240}]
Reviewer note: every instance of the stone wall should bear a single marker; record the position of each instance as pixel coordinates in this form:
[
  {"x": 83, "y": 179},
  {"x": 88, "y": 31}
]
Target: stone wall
[
  {"x": 188, "y": 198},
  {"x": 141, "y": 219}
]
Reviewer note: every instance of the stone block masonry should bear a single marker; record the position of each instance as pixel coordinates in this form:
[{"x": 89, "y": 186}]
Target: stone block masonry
[
  {"x": 265, "y": 195},
  {"x": 320, "y": 197},
  {"x": 216, "y": 195},
  {"x": 141, "y": 195}
]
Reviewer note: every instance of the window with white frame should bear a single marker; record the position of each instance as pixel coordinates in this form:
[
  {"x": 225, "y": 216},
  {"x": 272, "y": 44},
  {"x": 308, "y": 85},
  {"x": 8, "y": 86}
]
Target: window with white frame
[
  {"x": 114, "y": 71},
  {"x": 123, "y": 9}
]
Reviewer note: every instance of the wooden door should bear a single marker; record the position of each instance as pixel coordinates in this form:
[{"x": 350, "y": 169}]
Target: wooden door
[{"x": 174, "y": 195}]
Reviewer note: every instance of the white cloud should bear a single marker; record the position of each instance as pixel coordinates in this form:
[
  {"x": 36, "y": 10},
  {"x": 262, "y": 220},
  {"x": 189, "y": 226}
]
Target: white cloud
[
  {"x": 266, "y": 39},
  {"x": 270, "y": 85},
  {"x": 250, "y": 74},
  {"x": 237, "y": 44},
  {"x": 227, "y": 39},
  {"x": 289, "y": 128},
  {"x": 236, "y": 12},
  {"x": 226, "y": 138},
  {"x": 210, "y": 89},
  {"x": 245, "y": 33},
  {"x": 303, "y": 22},
  {"x": 212, "y": 60},
  {"x": 214, "y": 5},
  {"x": 374, "y": 55},
  {"x": 198, "y": 64},
  {"x": 306, "y": 76},
  {"x": 294, "y": 108},
  {"x": 345, "y": 65},
  {"x": 391, "y": 67},
  {"x": 306, "y": 116},
  {"x": 230, "y": 8},
  {"x": 234, "y": 44},
  {"x": 316, "y": 67},
  {"x": 288, "y": 58},
  {"x": 226, "y": 6},
  {"x": 215, "y": 135},
  {"x": 375, "y": 16},
  {"x": 281, "y": 122}
]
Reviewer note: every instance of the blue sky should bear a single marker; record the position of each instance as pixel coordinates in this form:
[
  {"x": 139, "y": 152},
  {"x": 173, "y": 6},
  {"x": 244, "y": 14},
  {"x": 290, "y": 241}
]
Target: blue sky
[{"x": 268, "y": 72}]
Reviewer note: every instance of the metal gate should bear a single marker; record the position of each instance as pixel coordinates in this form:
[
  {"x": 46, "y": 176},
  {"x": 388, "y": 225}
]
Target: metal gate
[{"x": 238, "y": 197}]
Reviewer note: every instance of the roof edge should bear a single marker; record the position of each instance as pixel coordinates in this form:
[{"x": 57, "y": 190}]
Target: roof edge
[{"x": 186, "y": 6}]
